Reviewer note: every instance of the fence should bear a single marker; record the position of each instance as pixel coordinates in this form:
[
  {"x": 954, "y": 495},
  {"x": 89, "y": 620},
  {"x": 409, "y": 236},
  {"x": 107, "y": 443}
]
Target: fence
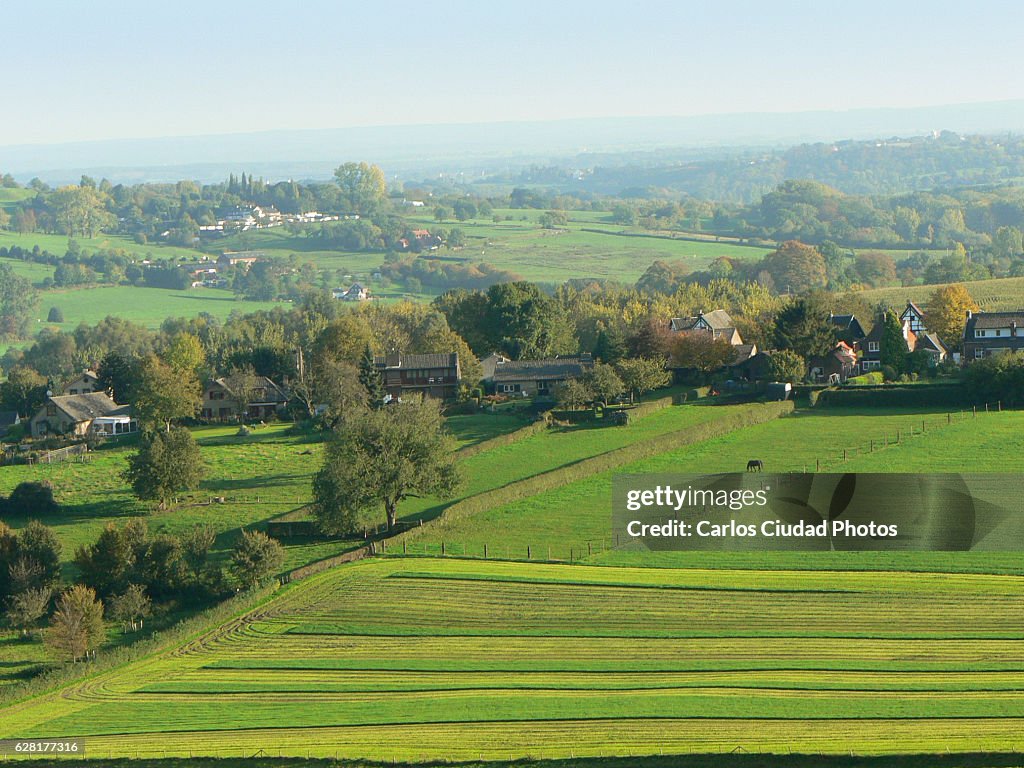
[
  {"x": 61, "y": 454},
  {"x": 927, "y": 424}
]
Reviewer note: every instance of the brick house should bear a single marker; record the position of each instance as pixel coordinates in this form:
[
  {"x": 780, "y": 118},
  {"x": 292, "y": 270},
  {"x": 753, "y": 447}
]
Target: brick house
[{"x": 989, "y": 333}]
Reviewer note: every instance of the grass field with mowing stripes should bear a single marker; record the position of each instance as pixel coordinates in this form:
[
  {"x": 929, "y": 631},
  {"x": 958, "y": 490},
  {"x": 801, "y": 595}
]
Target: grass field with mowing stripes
[{"x": 412, "y": 658}]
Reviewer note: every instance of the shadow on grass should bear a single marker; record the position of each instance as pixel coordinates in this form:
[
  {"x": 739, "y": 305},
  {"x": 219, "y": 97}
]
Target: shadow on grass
[{"x": 250, "y": 483}]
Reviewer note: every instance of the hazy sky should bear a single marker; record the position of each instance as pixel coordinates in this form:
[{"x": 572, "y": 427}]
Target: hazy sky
[{"x": 101, "y": 69}]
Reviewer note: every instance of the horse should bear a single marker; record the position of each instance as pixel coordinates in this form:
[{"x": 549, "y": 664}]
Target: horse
[{"x": 755, "y": 465}]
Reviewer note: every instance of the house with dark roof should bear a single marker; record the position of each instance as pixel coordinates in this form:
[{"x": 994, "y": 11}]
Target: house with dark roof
[
  {"x": 991, "y": 333},
  {"x": 434, "y": 375},
  {"x": 263, "y": 399},
  {"x": 8, "y": 419},
  {"x": 537, "y": 378},
  {"x": 871, "y": 346},
  {"x": 718, "y": 323},
  {"x": 847, "y": 328},
  {"x": 78, "y": 415},
  {"x": 913, "y": 315}
]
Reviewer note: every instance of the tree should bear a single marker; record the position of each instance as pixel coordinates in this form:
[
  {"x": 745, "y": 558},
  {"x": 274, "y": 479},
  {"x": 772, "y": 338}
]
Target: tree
[
  {"x": 55, "y": 315},
  {"x": 700, "y": 351},
  {"x": 131, "y": 607},
  {"x": 166, "y": 463},
  {"x": 109, "y": 563},
  {"x": 24, "y": 609},
  {"x": 163, "y": 394},
  {"x": 362, "y": 186},
  {"x": 383, "y": 457},
  {"x": 947, "y": 313},
  {"x": 370, "y": 378},
  {"x": 255, "y": 557},
  {"x": 77, "y": 625},
  {"x": 804, "y": 327},
  {"x": 553, "y": 219},
  {"x": 18, "y": 303},
  {"x": 81, "y": 211},
  {"x": 603, "y": 382},
  {"x": 185, "y": 353},
  {"x": 38, "y": 550},
  {"x": 893, "y": 349},
  {"x": 339, "y": 387},
  {"x": 786, "y": 365},
  {"x": 24, "y": 391},
  {"x": 875, "y": 268},
  {"x": 119, "y": 375},
  {"x": 795, "y": 267},
  {"x": 525, "y": 322},
  {"x": 573, "y": 393},
  {"x": 642, "y": 374},
  {"x": 610, "y": 345}
]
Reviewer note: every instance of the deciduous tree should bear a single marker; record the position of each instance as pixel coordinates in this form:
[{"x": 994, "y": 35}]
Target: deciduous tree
[
  {"x": 166, "y": 463},
  {"x": 77, "y": 625},
  {"x": 947, "y": 313}
]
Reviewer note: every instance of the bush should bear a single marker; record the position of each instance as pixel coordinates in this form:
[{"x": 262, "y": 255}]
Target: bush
[
  {"x": 56, "y": 315},
  {"x": 896, "y": 396},
  {"x": 32, "y": 499},
  {"x": 866, "y": 379}
]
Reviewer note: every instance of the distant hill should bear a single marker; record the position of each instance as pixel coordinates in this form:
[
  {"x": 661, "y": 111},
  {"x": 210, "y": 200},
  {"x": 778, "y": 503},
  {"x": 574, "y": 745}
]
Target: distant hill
[{"x": 426, "y": 150}]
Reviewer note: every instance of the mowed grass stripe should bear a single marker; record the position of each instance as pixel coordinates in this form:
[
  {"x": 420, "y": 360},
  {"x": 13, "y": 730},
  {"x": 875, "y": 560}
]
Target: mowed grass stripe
[{"x": 536, "y": 644}]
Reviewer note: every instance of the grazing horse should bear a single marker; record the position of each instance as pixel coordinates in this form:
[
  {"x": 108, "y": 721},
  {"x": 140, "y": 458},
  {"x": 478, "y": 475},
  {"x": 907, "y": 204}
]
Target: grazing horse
[{"x": 755, "y": 465}]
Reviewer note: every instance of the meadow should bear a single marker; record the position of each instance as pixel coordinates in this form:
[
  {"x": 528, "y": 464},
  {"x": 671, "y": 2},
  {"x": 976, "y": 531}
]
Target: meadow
[{"x": 423, "y": 659}]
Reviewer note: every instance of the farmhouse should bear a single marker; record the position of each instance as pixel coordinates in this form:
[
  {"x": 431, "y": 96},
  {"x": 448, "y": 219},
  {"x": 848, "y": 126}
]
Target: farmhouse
[
  {"x": 717, "y": 322},
  {"x": 434, "y": 375},
  {"x": 537, "y": 378},
  {"x": 78, "y": 415},
  {"x": 87, "y": 382},
  {"x": 262, "y": 400},
  {"x": 914, "y": 317},
  {"x": 240, "y": 258},
  {"x": 355, "y": 292},
  {"x": 871, "y": 360},
  {"x": 990, "y": 333}
]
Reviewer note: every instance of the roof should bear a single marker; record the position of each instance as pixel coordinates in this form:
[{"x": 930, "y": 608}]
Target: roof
[
  {"x": 259, "y": 381},
  {"x": 88, "y": 406},
  {"x": 744, "y": 352},
  {"x": 8, "y": 418},
  {"x": 396, "y": 361},
  {"x": 718, "y": 319},
  {"x": 931, "y": 341},
  {"x": 550, "y": 368},
  {"x": 996, "y": 319},
  {"x": 912, "y": 306}
]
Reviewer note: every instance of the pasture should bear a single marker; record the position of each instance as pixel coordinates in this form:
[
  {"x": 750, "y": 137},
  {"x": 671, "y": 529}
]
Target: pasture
[
  {"x": 573, "y": 520},
  {"x": 420, "y": 659}
]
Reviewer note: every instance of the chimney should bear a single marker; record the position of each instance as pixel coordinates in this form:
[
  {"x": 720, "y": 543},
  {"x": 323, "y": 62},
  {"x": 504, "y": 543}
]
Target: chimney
[{"x": 969, "y": 314}]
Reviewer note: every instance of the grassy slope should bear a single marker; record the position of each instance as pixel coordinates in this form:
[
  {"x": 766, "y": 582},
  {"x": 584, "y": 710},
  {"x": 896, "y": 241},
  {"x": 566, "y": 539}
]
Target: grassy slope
[
  {"x": 411, "y": 659},
  {"x": 1000, "y": 294}
]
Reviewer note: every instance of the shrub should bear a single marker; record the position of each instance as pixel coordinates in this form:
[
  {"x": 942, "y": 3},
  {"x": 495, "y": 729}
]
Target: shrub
[
  {"x": 55, "y": 315},
  {"x": 32, "y": 499}
]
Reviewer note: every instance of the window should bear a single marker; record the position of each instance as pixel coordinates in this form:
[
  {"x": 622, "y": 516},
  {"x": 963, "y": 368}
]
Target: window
[
  {"x": 873, "y": 346},
  {"x": 979, "y": 334},
  {"x": 998, "y": 332},
  {"x": 979, "y": 353},
  {"x": 509, "y": 387}
]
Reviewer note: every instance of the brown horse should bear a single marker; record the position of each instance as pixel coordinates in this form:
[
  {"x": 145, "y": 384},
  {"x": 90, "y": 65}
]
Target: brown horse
[{"x": 755, "y": 465}]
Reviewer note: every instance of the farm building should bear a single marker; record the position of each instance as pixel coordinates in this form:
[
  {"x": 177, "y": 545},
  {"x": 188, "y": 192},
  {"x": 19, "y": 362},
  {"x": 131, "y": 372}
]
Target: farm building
[
  {"x": 835, "y": 367},
  {"x": 262, "y": 400},
  {"x": 717, "y": 322},
  {"x": 538, "y": 378},
  {"x": 435, "y": 375},
  {"x": 74, "y": 415},
  {"x": 355, "y": 292}
]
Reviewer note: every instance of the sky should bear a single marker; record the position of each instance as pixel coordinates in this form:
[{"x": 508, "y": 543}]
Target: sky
[{"x": 82, "y": 71}]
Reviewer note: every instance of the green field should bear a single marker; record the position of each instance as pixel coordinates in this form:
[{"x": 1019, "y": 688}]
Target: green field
[
  {"x": 145, "y": 306},
  {"x": 413, "y": 659}
]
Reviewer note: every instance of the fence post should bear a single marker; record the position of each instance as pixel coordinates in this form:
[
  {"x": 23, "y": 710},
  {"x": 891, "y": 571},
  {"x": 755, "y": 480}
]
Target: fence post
[
  {"x": 974, "y": 411},
  {"x": 922, "y": 426},
  {"x": 949, "y": 418},
  {"x": 999, "y": 405},
  {"x": 529, "y": 552},
  {"x": 405, "y": 547},
  {"x": 485, "y": 551},
  {"x": 844, "y": 454},
  {"x": 590, "y": 549},
  {"x": 817, "y": 465},
  {"x": 442, "y": 547}
]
